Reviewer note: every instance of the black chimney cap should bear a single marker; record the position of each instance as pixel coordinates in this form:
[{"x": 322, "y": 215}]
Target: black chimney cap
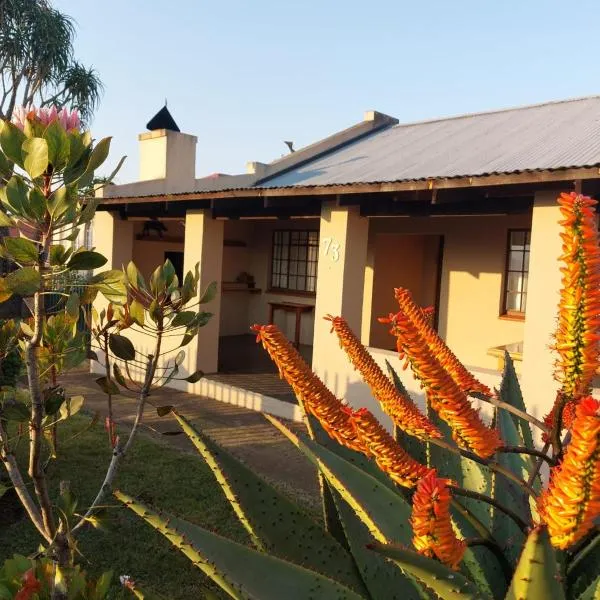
[{"x": 162, "y": 120}]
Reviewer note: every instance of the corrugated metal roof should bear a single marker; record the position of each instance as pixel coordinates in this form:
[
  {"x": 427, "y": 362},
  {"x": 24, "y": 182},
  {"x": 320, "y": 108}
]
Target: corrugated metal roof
[{"x": 555, "y": 135}]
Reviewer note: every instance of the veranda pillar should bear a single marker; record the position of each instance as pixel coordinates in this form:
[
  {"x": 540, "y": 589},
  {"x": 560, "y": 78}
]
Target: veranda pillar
[
  {"x": 539, "y": 386},
  {"x": 342, "y": 261},
  {"x": 204, "y": 245}
]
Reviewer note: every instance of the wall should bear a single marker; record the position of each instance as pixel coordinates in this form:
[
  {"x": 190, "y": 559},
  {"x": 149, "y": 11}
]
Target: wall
[
  {"x": 471, "y": 282},
  {"x": 148, "y": 254},
  {"x": 240, "y": 310},
  {"x": 400, "y": 260}
]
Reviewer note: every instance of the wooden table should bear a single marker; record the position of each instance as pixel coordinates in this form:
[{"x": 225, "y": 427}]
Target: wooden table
[{"x": 291, "y": 307}]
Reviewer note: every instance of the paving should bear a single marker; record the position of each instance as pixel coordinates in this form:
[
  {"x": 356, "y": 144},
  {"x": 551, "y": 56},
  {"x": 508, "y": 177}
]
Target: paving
[{"x": 245, "y": 433}]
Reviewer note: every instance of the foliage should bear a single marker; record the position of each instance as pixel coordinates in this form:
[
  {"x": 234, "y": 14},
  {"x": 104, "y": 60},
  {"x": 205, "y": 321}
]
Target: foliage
[
  {"x": 24, "y": 578},
  {"x": 458, "y": 510},
  {"x": 38, "y": 66},
  {"x": 46, "y": 161}
]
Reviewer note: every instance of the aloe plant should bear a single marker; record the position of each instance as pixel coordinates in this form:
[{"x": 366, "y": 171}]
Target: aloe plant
[{"x": 451, "y": 506}]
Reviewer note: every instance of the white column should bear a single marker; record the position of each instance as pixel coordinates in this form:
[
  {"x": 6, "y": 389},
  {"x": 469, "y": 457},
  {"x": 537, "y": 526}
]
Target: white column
[
  {"x": 340, "y": 286},
  {"x": 543, "y": 289},
  {"x": 204, "y": 245}
]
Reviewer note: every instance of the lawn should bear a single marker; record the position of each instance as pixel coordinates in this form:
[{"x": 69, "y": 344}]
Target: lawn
[{"x": 179, "y": 483}]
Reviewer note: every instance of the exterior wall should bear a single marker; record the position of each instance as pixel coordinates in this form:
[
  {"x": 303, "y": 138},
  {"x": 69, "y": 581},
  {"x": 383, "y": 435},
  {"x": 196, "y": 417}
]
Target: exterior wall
[
  {"x": 474, "y": 256},
  {"x": 240, "y": 310},
  {"x": 148, "y": 254}
]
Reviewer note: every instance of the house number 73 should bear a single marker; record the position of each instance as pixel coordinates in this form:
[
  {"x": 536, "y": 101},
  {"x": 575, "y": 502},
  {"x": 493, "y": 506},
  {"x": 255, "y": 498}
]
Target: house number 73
[{"x": 331, "y": 248}]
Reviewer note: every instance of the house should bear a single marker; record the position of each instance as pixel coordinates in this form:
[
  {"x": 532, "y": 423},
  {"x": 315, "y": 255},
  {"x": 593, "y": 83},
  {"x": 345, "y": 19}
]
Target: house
[{"x": 460, "y": 210}]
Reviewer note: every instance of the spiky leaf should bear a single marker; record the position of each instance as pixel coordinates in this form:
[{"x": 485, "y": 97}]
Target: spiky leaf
[
  {"x": 537, "y": 574},
  {"x": 447, "y": 584},
  {"x": 275, "y": 524},
  {"x": 243, "y": 573}
]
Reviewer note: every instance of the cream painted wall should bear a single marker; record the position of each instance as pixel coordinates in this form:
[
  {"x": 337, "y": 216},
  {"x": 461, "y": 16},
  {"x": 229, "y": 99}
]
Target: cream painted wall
[
  {"x": 148, "y": 254},
  {"x": 241, "y": 310},
  {"x": 471, "y": 282}
]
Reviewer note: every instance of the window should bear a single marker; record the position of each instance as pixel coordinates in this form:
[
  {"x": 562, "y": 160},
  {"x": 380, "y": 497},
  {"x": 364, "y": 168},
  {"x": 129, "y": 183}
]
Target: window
[
  {"x": 294, "y": 262},
  {"x": 517, "y": 271}
]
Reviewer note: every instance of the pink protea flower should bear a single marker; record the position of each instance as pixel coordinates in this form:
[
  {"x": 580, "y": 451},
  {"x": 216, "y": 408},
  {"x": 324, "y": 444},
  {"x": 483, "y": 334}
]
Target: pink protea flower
[{"x": 69, "y": 120}]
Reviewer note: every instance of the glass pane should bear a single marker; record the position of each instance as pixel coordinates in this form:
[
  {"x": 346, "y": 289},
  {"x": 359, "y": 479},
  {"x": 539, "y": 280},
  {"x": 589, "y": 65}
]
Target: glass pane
[
  {"x": 277, "y": 237},
  {"x": 526, "y": 265},
  {"x": 293, "y": 283},
  {"x": 310, "y": 284},
  {"x": 525, "y": 280},
  {"x": 515, "y": 282},
  {"x": 313, "y": 237},
  {"x": 293, "y": 268},
  {"x": 513, "y": 301},
  {"x": 295, "y": 235},
  {"x": 285, "y": 237},
  {"x": 294, "y": 252},
  {"x": 284, "y": 268},
  {"x": 524, "y": 302},
  {"x": 283, "y": 281},
  {"x": 517, "y": 240},
  {"x": 302, "y": 268},
  {"x": 528, "y": 239},
  {"x": 284, "y": 252},
  {"x": 275, "y": 281},
  {"x": 515, "y": 261}
]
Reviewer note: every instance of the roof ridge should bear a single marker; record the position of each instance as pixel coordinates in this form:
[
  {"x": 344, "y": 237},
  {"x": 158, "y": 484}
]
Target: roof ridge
[{"x": 498, "y": 110}]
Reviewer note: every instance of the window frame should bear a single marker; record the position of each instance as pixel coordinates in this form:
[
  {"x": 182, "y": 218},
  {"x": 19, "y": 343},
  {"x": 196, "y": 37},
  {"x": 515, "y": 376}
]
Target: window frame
[
  {"x": 506, "y": 312},
  {"x": 288, "y": 290}
]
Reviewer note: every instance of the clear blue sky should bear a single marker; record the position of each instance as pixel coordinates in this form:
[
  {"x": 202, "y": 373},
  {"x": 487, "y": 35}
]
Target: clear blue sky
[{"x": 245, "y": 75}]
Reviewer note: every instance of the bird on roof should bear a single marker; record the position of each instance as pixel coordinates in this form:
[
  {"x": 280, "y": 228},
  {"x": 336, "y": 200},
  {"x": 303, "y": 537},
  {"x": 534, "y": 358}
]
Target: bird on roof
[{"x": 290, "y": 145}]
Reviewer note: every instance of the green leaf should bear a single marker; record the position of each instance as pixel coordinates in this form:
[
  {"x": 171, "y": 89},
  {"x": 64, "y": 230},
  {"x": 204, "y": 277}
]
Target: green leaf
[
  {"x": 11, "y": 141},
  {"x": 59, "y": 202},
  {"x": 58, "y": 145},
  {"x": 447, "y": 584},
  {"x": 278, "y": 530},
  {"x": 510, "y": 392},
  {"x": 584, "y": 566},
  {"x": 183, "y": 318},
  {"x": 241, "y": 572},
  {"x": 385, "y": 512},
  {"x": 22, "y": 251},
  {"x": 163, "y": 411},
  {"x": 137, "y": 312},
  {"x": 15, "y": 412},
  {"x": 209, "y": 293},
  {"x": 89, "y": 210},
  {"x": 121, "y": 347},
  {"x": 71, "y": 406},
  {"x": 72, "y": 305},
  {"x": 5, "y": 220},
  {"x": 86, "y": 260},
  {"x": 194, "y": 377},
  {"x": 14, "y": 195},
  {"x": 537, "y": 574},
  {"x": 591, "y": 593},
  {"x": 382, "y": 578},
  {"x": 58, "y": 255},
  {"x": 108, "y": 386},
  {"x": 111, "y": 284},
  {"x": 36, "y": 203},
  {"x": 24, "y": 282},
  {"x": 35, "y": 156},
  {"x": 6, "y": 167},
  {"x": 99, "y": 154},
  {"x": 54, "y": 401}
]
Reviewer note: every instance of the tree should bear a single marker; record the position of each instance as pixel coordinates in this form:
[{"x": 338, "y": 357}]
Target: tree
[{"x": 37, "y": 63}]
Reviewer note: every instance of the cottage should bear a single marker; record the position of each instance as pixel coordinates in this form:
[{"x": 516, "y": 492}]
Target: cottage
[{"x": 460, "y": 210}]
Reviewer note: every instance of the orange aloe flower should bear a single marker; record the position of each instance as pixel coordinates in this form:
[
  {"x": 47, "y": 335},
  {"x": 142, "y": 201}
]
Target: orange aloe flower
[
  {"x": 568, "y": 415},
  {"x": 432, "y": 527},
  {"x": 571, "y": 502},
  {"x": 312, "y": 393},
  {"x": 577, "y": 335},
  {"x": 463, "y": 378},
  {"x": 401, "y": 409},
  {"x": 388, "y": 454},
  {"x": 446, "y": 398}
]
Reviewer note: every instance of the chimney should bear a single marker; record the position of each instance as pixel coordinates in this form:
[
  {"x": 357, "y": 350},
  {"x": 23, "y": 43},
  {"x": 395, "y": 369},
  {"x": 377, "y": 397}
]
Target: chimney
[{"x": 166, "y": 153}]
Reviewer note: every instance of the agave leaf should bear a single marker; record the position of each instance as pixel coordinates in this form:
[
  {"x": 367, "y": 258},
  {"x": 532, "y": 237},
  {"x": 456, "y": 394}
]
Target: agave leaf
[
  {"x": 275, "y": 524},
  {"x": 584, "y": 566},
  {"x": 447, "y": 584},
  {"x": 592, "y": 592},
  {"x": 382, "y": 578},
  {"x": 510, "y": 392},
  {"x": 244, "y": 573},
  {"x": 537, "y": 574},
  {"x": 414, "y": 446},
  {"x": 508, "y": 493},
  {"x": 385, "y": 513}
]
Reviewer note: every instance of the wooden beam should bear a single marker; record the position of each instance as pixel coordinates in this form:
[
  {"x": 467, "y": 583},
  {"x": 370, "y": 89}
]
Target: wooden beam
[{"x": 527, "y": 177}]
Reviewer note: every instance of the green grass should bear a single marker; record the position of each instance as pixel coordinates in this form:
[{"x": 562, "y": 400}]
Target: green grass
[{"x": 158, "y": 475}]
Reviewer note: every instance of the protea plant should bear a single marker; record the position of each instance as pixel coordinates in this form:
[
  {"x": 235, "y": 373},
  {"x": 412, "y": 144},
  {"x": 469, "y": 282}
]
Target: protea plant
[{"x": 453, "y": 505}]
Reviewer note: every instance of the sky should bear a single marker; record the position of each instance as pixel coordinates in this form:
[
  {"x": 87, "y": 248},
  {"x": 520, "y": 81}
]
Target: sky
[{"x": 245, "y": 75}]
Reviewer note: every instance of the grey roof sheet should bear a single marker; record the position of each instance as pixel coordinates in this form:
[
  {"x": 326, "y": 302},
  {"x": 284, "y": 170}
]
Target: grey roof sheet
[{"x": 556, "y": 135}]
